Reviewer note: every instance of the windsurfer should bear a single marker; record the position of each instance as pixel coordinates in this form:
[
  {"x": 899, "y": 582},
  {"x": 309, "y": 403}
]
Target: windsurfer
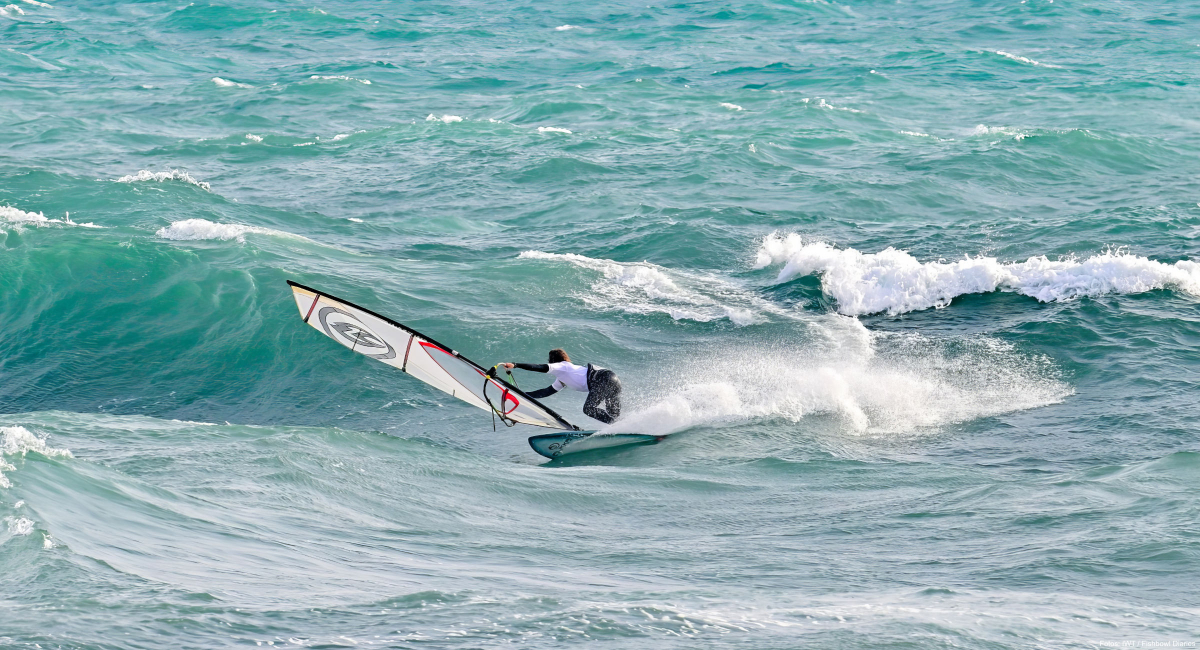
[{"x": 601, "y": 384}]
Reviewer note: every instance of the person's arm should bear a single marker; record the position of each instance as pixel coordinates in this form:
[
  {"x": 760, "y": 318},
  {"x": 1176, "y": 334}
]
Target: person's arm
[
  {"x": 545, "y": 392},
  {"x": 537, "y": 367},
  {"x": 532, "y": 367}
]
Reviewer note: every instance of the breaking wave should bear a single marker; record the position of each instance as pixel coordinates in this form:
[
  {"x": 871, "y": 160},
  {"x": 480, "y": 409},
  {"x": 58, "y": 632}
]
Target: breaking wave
[
  {"x": 19, "y": 526},
  {"x": 202, "y": 229},
  {"x": 1022, "y": 59},
  {"x": 340, "y": 77},
  {"x": 18, "y": 441},
  {"x": 895, "y": 282},
  {"x": 225, "y": 83},
  {"x": 169, "y": 175},
  {"x": 817, "y": 102},
  {"x": 21, "y": 218}
]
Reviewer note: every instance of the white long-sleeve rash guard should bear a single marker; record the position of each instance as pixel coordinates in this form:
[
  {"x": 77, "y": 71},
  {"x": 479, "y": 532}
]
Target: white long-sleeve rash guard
[{"x": 566, "y": 375}]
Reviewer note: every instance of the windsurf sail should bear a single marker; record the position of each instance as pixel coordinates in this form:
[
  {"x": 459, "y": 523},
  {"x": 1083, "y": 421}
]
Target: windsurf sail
[{"x": 400, "y": 346}]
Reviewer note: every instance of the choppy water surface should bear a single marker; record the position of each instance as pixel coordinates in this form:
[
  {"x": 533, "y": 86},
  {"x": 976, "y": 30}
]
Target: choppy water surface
[{"x": 913, "y": 286}]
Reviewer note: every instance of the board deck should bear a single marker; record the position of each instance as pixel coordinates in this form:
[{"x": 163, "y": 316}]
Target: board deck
[{"x": 554, "y": 445}]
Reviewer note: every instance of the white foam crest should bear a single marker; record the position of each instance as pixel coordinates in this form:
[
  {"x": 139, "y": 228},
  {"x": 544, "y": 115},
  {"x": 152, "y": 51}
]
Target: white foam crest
[
  {"x": 445, "y": 119},
  {"x": 19, "y": 526},
  {"x": 642, "y": 287},
  {"x": 203, "y": 229},
  {"x": 1023, "y": 59},
  {"x": 21, "y": 218},
  {"x": 732, "y": 107},
  {"x": 225, "y": 83},
  {"x": 995, "y": 617},
  {"x": 552, "y": 129},
  {"x": 254, "y": 138},
  {"x": 343, "y": 136},
  {"x": 1008, "y": 131},
  {"x": 918, "y": 134},
  {"x": 38, "y": 4},
  {"x": 822, "y": 104},
  {"x": 18, "y": 441},
  {"x": 873, "y": 384},
  {"x": 13, "y": 215},
  {"x": 341, "y": 77},
  {"x": 895, "y": 282},
  {"x": 563, "y": 28},
  {"x": 160, "y": 177},
  {"x": 9, "y": 10}
]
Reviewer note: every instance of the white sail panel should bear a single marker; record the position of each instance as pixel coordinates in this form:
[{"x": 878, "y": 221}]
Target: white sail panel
[{"x": 385, "y": 340}]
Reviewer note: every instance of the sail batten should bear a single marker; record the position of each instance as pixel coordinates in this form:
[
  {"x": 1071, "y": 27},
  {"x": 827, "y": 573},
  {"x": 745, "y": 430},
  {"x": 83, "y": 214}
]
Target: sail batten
[{"x": 400, "y": 346}]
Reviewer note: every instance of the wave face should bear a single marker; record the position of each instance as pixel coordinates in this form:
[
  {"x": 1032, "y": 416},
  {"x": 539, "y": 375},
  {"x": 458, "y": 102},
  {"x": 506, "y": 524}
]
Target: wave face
[
  {"x": 641, "y": 288},
  {"x": 912, "y": 297}
]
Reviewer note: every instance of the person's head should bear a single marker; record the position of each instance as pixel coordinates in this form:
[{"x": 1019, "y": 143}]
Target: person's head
[{"x": 558, "y": 354}]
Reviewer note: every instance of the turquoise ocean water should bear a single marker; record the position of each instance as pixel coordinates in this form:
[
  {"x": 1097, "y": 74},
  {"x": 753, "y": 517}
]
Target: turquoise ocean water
[{"x": 911, "y": 284}]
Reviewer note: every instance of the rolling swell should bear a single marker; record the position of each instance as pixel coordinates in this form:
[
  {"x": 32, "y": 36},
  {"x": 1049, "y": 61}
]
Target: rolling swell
[{"x": 313, "y": 486}]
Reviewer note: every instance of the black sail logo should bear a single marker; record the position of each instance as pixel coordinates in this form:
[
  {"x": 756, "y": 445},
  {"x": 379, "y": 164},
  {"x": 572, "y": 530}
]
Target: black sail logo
[
  {"x": 342, "y": 326},
  {"x": 357, "y": 334}
]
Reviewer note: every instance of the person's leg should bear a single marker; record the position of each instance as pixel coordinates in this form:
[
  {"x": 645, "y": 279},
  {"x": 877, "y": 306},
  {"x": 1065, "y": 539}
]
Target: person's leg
[
  {"x": 612, "y": 400},
  {"x": 591, "y": 407},
  {"x": 606, "y": 388}
]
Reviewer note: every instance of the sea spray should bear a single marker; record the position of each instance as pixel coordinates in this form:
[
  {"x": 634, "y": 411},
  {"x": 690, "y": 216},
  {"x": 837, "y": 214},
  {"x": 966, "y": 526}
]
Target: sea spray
[{"x": 896, "y": 384}]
